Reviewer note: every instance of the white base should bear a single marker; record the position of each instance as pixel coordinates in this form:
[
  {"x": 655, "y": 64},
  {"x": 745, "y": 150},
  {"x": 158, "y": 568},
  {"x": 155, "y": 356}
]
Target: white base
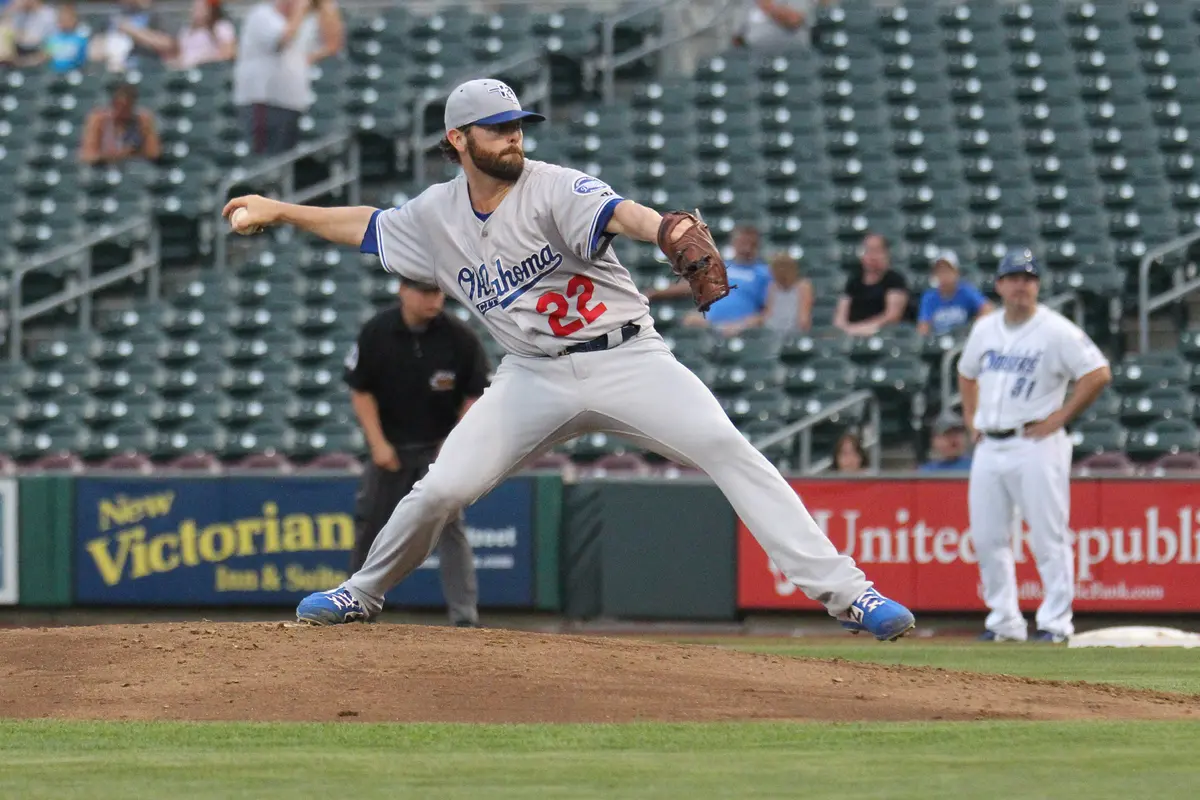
[{"x": 1135, "y": 636}]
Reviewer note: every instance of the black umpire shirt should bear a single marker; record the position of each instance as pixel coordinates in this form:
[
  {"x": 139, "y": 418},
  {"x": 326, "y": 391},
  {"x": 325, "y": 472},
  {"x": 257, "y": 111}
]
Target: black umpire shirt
[{"x": 419, "y": 379}]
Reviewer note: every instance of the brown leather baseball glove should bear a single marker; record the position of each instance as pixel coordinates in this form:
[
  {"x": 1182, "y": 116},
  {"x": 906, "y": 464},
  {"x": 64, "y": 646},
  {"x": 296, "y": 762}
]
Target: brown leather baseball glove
[{"x": 694, "y": 257}]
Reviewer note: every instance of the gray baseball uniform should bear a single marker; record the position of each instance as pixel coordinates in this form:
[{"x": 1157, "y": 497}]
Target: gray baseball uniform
[{"x": 540, "y": 276}]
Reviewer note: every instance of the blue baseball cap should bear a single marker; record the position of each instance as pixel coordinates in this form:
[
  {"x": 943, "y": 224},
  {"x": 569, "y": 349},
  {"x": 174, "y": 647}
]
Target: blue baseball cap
[
  {"x": 485, "y": 102},
  {"x": 1019, "y": 261}
]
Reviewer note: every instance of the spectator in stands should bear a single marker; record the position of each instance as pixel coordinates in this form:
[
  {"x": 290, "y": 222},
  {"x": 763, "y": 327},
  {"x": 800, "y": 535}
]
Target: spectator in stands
[
  {"x": 8, "y": 47},
  {"x": 749, "y": 280},
  {"x": 789, "y": 297},
  {"x": 330, "y": 36},
  {"x": 116, "y": 46},
  {"x": 772, "y": 26},
  {"x": 29, "y": 24},
  {"x": 207, "y": 37},
  {"x": 849, "y": 455},
  {"x": 877, "y": 297},
  {"x": 67, "y": 48},
  {"x": 952, "y": 304},
  {"x": 948, "y": 449},
  {"x": 120, "y": 131},
  {"x": 271, "y": 82}
]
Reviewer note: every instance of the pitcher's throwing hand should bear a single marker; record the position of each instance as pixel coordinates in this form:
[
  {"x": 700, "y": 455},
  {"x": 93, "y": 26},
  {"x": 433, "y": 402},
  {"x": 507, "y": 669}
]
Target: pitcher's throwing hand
[{"x": 251, "y": 213}]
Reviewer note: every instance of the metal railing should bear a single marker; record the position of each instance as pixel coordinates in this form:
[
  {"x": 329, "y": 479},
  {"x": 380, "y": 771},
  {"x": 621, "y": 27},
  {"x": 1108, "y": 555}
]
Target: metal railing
[
  {"x": 609, "y": 61},
  {"x": 535, "y": 95},
  {"x": 801, "y": 431},
  {"x": 950, "y": 396},
  {"x": 1148, "y": 304},
  {"x": 282, "y": 170},
  {"x": 85, "y": 284}
]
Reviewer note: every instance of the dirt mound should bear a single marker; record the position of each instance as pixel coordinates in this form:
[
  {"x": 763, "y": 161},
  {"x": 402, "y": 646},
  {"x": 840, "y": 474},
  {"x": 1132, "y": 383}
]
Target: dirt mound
[{"x": 268, "y": 671}]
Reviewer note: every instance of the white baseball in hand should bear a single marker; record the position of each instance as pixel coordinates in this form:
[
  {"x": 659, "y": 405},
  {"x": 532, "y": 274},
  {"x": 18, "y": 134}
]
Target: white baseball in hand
[{"x": 238, "y": 219}]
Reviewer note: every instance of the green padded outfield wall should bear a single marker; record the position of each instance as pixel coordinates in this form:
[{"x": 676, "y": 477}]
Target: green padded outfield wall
[
  {"x": 547, "y": 522},
  {"x": 47, "y": 514},
  {"x": 649, "y": 550},
  {"x": 579, "y": 549}
]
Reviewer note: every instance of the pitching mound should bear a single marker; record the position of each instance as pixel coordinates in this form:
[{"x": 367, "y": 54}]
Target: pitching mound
[{"x": 263, "y": 671}]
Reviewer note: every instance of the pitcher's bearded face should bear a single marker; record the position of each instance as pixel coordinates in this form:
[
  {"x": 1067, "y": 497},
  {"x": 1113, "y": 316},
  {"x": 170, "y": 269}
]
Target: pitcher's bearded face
[{"x": 496, "y": 150}]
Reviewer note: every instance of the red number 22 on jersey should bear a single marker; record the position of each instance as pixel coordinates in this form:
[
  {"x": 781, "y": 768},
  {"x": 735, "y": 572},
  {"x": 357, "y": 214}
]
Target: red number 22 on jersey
[{"x": 558, "y": 306}]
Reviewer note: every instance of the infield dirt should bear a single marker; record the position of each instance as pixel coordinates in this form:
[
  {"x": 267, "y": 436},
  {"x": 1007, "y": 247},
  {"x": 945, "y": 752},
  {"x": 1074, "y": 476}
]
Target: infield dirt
[{"x": 404, "y": 673}]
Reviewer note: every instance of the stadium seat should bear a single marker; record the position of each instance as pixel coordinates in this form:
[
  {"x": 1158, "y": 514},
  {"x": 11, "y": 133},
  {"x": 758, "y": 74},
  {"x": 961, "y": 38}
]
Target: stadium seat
[
  {"x": 829, "y": 372},
  {"x": 754, "y": 345},
  {"x": 628, "y": 465},
  {"x": 1150, "y": 370},
  {"x": 1098, "y": 436},
  {"x": 1163, "y": 437},
  {"x": 1172, "y": 402},
  {"x": 748, "y": 376},
  {"x": 1175, "y": 464},
  {"x": 128, "y": 462},
  {"x": 1106, "y": 463},
  {"x": 764, "y": 406}
]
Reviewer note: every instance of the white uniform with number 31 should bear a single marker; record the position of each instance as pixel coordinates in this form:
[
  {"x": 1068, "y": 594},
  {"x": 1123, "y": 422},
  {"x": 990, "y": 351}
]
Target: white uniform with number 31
[
  {"x": 1023, "y": 372},
  {"x": 539, "y": 274}
]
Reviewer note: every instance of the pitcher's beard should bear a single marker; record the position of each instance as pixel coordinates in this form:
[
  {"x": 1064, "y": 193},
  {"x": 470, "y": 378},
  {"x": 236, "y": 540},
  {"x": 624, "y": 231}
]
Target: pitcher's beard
[{"x": 494, "y": 165}]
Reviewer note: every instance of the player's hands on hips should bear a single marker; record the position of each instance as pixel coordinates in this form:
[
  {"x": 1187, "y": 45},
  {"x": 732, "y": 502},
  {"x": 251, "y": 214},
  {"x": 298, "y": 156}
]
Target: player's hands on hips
[
  {"x": 1050, "y": 425},
  {"x": 258, "y": 212},
  {"x": 384, "y": 456}
]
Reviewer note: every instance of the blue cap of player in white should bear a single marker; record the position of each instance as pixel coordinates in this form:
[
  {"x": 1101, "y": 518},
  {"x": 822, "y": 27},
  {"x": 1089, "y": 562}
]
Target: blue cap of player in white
[
  {"x": 1019, "y": 260},
  {"x": 485, "y": 102}
]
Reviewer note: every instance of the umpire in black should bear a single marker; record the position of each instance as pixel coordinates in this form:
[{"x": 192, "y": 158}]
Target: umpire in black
[{"x": 413, "y": 373}]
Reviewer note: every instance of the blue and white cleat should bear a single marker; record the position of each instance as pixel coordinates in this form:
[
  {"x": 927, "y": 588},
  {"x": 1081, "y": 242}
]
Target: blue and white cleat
[
  {"x": 884, "y": 619},
  {"x": 334, "y": 607}
]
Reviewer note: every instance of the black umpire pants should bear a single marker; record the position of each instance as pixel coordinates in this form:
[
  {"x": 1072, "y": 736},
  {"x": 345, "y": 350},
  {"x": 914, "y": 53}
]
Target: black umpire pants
[{"x": 379, "y": 494}]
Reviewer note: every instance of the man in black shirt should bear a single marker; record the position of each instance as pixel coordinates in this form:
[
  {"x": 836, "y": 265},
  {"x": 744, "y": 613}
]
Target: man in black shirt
[
  {"x": 413, "y": 373},
  {"x": 876, "y": 298}
]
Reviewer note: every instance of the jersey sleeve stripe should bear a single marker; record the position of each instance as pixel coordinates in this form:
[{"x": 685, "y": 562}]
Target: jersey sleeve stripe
[
  {"x": 377, "y": 222},
  {"x": 370, "y": 240},
  {"x": 600, "y": 222}
]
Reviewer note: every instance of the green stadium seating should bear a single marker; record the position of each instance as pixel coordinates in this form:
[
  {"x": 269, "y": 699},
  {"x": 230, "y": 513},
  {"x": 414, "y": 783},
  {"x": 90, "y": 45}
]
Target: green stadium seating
[{"x": 1069, "y": 126}]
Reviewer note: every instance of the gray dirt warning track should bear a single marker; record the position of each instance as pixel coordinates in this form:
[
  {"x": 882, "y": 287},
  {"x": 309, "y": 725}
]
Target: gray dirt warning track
[{"x": 404, "y": 673}]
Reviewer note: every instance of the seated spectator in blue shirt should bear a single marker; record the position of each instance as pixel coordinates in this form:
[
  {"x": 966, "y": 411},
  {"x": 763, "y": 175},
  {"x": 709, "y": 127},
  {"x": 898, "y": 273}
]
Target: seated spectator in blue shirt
[
  {"x": 745, "y": 306},
  {"x": 948, "y": 450},
  {"x": 67, "y": 48},
  {"x": 952, "y": 304}
]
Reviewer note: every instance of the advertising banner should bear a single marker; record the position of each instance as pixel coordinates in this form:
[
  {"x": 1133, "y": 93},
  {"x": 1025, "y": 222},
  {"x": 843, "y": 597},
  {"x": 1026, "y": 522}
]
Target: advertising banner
[
  {"x": 8, "y": 542},
  {"x": 1136, "y": 545},
  {"x": 260, "y": 541}
]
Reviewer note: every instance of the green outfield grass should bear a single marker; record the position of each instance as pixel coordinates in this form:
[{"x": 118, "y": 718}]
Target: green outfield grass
[
  {"x": 1162, "y": 669},
  {"x": 99, "y": 761}
]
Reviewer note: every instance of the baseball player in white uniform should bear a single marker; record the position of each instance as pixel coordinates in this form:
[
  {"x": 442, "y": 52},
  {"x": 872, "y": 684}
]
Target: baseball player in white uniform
[
  {"x": 1013, "y": 374},
  {"x": 525, "y": 246}
]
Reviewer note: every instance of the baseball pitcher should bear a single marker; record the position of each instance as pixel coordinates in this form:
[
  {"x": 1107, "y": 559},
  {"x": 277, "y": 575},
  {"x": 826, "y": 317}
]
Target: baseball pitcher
[
  {"x": 525, "y": 246},
  {"x": 1013, "y": 375}
]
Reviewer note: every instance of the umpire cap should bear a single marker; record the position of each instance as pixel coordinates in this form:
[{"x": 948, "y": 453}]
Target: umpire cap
[{"x": 1019, "y": 260}]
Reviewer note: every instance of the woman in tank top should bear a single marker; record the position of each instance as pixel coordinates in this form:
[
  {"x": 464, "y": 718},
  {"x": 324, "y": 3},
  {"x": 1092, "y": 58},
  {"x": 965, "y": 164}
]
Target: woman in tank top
[
  {"x": 789, "y": 298},
  {"x": 119, "y": 131}
]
